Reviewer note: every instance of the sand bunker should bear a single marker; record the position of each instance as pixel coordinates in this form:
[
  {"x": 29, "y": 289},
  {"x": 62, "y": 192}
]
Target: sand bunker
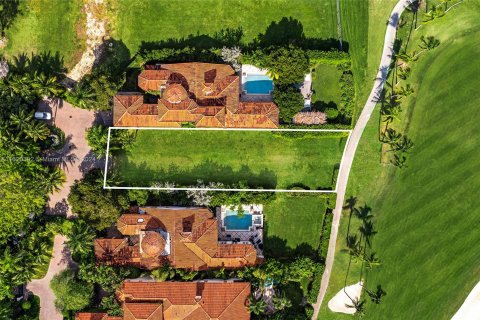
[
  {"x": 340, "y": 301},
  {"x": 470, "y": 309}
]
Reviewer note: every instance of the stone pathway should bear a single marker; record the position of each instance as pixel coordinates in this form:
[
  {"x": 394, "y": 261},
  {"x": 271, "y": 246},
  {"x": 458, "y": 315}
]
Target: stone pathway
[
  {"x": 355, "y": 136},
  {"x": 96, "y": 33}
]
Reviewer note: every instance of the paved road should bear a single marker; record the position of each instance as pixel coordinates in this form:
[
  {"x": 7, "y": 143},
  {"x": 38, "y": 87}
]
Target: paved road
[{"x": 349, "y": 154}]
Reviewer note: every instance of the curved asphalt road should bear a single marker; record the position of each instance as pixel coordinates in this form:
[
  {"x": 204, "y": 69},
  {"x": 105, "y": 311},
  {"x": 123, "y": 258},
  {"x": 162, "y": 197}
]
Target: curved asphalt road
[{"x": 349, "y": 154}]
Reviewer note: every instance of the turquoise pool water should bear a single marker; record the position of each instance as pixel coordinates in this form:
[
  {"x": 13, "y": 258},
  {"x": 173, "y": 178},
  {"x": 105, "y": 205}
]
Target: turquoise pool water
[
  {"x": 234, "y": 222},
  {"x": 258, "y": 84}
]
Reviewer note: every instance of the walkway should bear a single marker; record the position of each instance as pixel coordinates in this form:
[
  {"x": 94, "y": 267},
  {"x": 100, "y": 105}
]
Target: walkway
[
  {"x": 61, "y": 260},
  {"x": 349, "y": 154}
]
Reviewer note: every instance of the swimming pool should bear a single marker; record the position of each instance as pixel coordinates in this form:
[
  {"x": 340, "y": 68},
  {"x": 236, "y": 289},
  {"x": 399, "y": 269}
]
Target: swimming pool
[
  {"x": 232, "y": 221},
  {"x": 258, "y": 84}
]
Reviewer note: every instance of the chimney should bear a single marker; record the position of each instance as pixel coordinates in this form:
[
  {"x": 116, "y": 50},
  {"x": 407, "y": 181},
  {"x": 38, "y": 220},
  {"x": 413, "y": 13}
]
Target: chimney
[{"x": 199, "y": 293}]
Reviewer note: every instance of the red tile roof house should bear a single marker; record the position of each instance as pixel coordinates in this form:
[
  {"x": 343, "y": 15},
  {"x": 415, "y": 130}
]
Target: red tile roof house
[
  {"x": 205, "y": 94},
  {"x": 203, "y": 300},
  {"x": 181, "y": 237}
]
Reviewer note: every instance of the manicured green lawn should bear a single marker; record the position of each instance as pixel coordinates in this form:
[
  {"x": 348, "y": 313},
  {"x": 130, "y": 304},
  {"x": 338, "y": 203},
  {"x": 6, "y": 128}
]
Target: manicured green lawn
[
  {"x": 363, "y": 27},
  {"x": 426, "y": 215},
  {"x": 262, "y": 159},
  {"x": 293, "y": 224},
  {"x": 325, "y": 84},
  {"x": 155, "y": 20},
  {"x": 47, "y": 25}
]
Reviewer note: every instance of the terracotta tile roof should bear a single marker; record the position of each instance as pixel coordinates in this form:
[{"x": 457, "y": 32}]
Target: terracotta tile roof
[
  {"x": 142, "y": 311},
  {"x": 193, "y": 235},
  {"x": 196, "y": 92},
  {"x": 222, "y": 300},
  {"x": 131, "y": 224},
  {"x": 95, "y": 316}
]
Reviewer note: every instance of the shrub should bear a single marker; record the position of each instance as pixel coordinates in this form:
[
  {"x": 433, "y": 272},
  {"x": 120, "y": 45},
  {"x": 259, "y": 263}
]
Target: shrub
[
  {"x": 71, "y": 293},
  {"x": 331, "y": 113},
  {"x": 315, "y": 286},
  {"x": 287, "y": 65},
  {"x": 26, "y": 305},
  {"x": 289, "y": 100}
]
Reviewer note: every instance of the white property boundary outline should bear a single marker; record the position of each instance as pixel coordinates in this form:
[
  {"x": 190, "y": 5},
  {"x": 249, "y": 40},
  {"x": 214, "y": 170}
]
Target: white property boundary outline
[{"x": 349, "y": 131}]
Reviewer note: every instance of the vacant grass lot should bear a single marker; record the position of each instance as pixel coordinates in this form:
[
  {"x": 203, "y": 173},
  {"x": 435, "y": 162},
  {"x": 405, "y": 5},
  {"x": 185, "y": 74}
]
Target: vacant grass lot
[
  {"x": 262, "y": 159},
  {"x": 426, "y": 215},
  {"x": 293, "y": 224},
  {"x": 47, "y": 25},
  {"x": 155, "y": 20},
  {"x": 325, "y": 84}
]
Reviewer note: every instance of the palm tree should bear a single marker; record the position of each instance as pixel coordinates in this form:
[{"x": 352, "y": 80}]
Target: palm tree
[
  {"x": 21, "y": 119},
  {"x": 404, "y": 144},
  {"x": 391, "y": 136},
  {"x": 371, "y": 260},
  {"x": 82, "y": 96},
  {"x": 354, "y": 248},
  {"x": 359, "y": 306},
  {"x": 363, "y": 213},
  {"x": 52, "y": 180},
  {"x": 257, "y": 307},
  {"x": 376, "y": 297},
  {"x": 47, "y": 86},
  {"x": 367, "y": 230},
  {"x": 80, "y": 240},
  {"x": 399, "y": 160},
  {"x": 403, "y": 92},
  {"x": 434, "y": 13},
  {"x": 428, "y": 43},
  {"x": 36, "y": 130}
]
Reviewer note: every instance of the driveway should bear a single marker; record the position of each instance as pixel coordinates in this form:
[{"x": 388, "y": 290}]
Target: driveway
[
  {"x": 76, "y": 159},
  {"x": 61, "y": 260},
  {"x": 355, "y": 136}
]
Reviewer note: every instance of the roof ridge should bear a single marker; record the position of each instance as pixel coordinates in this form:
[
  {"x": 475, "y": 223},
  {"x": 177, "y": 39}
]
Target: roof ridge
[{"x": 239, "y": 293}]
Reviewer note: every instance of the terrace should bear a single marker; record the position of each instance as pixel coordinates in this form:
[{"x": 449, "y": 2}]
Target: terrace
[{"x": 244, "y": 228}]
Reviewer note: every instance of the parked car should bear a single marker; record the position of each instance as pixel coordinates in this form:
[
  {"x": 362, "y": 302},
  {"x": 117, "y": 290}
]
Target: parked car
[{"x": 43, "y": 115}]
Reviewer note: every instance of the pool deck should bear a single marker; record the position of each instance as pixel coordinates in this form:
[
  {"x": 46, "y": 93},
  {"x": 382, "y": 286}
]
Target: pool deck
[{"x": 255, "y": 236}]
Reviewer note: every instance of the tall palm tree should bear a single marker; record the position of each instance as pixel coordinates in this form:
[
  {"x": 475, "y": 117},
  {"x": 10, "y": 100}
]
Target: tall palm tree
[
  {"x": 80, "y": 240},
  {"x": 359, "y": 306},
  {"x": 82, "y": 96},
  {"x": 403, "y": 92},
  {"x": 404, "y": 144},
  {"x": 367, "y": 230},
  {"x": 391, "y": 137},
  {"x": 21, "y": 119},
  {"x": 36, "y": 130},
  {"x": 363, "y": 213},
  {"x": 371, "y": 260},
  {"x": 435, "y": 12},
  {"x": 52, "y": 180},
  {"x": 399, "y": 160},
  {"x": 47, "y": 86},
  {"x": 376, "y": 296},
  {"x": 428, "y": 43}
]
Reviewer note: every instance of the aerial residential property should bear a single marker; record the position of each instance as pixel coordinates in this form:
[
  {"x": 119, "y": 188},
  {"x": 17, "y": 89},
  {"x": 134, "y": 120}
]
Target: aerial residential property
[
  {"x": 186, "y": 238},
  {"x": 202, "y": 300},
  {"x": 239, "y": 159},
  {"x": 204, "y": 94}
]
